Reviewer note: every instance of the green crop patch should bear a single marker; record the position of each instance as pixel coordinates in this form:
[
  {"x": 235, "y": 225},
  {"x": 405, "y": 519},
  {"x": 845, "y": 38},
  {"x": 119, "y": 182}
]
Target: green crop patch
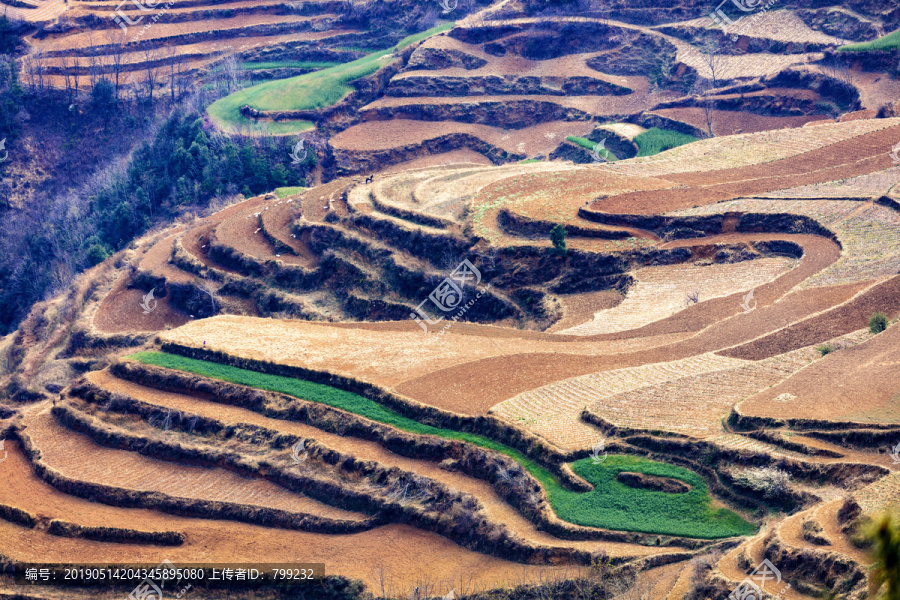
[
  {"x": 887, "y": 42},
  {"x": 310, "y": 91},
  {"x": 610, "y": 505},
  {"x": 590, "y": 145},
  {"x": 656, "y": 140}
]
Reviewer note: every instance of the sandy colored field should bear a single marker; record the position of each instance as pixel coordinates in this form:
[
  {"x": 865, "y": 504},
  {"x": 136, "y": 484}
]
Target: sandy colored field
[
  {"x": 123, "y": 310},
  {"x": 728, "y": 566},
  {"x": 662, "y": 291},
  {"x": 855, "y": 384},
  {"x": 747, "y": 149},
  {"x": 878, "y": 183},
  {"x": 277, "y": 222},
  {"x": 454, "y": 157},
  {"x": 497, "y": 509},
  {"x": 470, "y": 374},
  {"x": 728, "y": 122},
  {"x": 866, "y": 232},
  {"x": 403, "y": 551},
  {"x": 580, "y": 308},
  {"x": 825, "y": 515},
  {"x": 78, "y": 457},
  {"x": 553, "y": 411},
  {"x": 381, "y": 135},
  {"x": 864, "y": 154},
  {"x": 779, "y": 25}
]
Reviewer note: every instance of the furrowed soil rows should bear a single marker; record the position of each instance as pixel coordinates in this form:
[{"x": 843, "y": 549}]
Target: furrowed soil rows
[
  {"x": 663, "y": 291},
  {"x": 495, "y": 506},
  {"x": 868, "y": 392},
  {"x": 229, "y": 542},
  {"x": 553, "y": 411},
  {"x": 78, "y": 457}
]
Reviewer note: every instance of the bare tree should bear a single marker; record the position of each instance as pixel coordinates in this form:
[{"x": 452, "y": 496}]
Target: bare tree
[
  {"x": 701, "y": 91},
  {"x": 76, "y": 72},
  {"x": 151, "y": 70},
  {"x": 40, "y": 66},
  {"x": 711, "y": 53},
  {"x": 67, "y": 76},
  {"x": 175, "y": 64},
  {"x": 229, "y": 73},
  {"x": 93, "y": 61},
  {"x": 117, "y": 43}
]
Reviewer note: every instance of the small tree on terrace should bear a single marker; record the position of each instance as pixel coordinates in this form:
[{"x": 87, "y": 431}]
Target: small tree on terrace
[
  {"x": 878, "y": 323},
  {"x": 558, "y": 239},
  {"x": 885, "y": 533}
]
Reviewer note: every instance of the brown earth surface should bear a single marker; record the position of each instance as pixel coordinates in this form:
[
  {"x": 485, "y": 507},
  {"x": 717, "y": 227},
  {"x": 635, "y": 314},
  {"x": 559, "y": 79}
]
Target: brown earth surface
[
  {"x": 497, "y": 508},
  {"x": 857, "y": 156},
  {"x": 856, "y": 384},
  {"x": 730, "y": 122},
  {"x": 407, "y": 555}
]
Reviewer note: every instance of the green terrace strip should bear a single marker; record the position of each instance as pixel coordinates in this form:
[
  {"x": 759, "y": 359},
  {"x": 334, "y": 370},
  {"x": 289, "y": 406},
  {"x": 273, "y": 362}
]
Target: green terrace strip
[
  {"x": 655, "y": 140},
  {"x": 610, "y": 505},
  {"x": 891, "y": 40},
  {"x": 589, "y": 144},
  {"x": 287, "y": 64},
  {"x": 284, "y": 192},
  {"x": 310, "y": 91}
]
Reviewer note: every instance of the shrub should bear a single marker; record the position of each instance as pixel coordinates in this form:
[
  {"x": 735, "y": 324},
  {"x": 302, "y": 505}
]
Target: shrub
[
  {"x": 825, "y": 349},
  {"x": 771, "y": 482},
  {"x": 558, "y": 239},
  {"x": 878, "y": 323}
]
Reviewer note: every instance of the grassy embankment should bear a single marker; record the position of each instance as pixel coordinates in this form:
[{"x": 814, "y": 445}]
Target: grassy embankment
[
  {"x": 310, "y": 91},
  {"x": 610, "y": 505},
  {"x": 589, "y": 145},
  {"x": 886, "y": 42},
  {"x": 655, "y": 140},
  {"x": 650, "y": 142}
]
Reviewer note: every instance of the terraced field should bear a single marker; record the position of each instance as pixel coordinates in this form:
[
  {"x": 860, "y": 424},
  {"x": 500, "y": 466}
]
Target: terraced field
[{"x": 407, "y": 330}]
